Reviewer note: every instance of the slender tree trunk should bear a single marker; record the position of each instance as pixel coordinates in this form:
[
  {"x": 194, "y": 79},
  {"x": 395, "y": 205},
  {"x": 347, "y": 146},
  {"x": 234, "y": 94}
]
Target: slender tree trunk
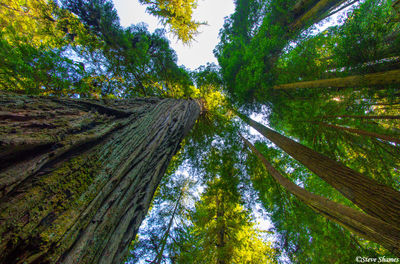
[
  {"x": 377, "y": 200},
  {"x": 362, "y": 116},
  {"x": 313, "y": 14},
  {"x": 77, "y": 176},
  {"x": 372, "y": 79},
  {"x": 337, "y": 10},
  {"x": 159, "y": 256},
  {"x": 363, "y": 132},
  {"x": 366, "y": 226},
  {"x": 304, "y": 13},
  {"x": 220, "y": 228}
]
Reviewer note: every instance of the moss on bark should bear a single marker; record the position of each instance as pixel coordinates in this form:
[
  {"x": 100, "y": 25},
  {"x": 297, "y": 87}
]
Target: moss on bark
[{"x": 77, "y": 184}]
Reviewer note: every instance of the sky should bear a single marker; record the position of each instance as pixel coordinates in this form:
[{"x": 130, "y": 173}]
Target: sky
[{"x": 201, "y": 50}]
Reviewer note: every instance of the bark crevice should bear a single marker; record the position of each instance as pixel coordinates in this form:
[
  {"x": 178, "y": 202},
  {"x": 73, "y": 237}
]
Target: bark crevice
[{"x": 83, "y": 199}]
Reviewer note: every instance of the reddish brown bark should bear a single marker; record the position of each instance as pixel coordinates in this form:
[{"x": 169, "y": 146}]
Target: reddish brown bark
[
  {"x": 79, "y": 175},
  {"x": 362, "y": 224},
  {"x": 377, "y": 200}
]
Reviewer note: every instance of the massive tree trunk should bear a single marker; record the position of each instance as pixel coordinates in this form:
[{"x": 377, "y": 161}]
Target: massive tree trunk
[
  {"x": 362, "y": 224},
  {"x": 77, "y": 176},
  {"x": 377, "y": 200}
]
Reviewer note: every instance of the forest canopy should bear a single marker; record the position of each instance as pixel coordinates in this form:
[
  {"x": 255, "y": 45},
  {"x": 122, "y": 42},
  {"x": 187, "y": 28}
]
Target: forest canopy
[{"x": 299, "y": 122}]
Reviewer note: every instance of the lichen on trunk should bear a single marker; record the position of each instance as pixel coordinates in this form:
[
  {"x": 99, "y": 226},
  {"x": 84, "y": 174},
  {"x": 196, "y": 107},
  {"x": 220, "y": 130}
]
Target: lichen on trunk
[{"x": 77, "y": 176}]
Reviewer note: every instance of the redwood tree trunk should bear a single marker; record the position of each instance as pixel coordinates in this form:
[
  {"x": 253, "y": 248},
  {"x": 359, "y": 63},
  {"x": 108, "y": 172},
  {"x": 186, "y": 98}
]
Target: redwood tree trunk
[
  {"x": 362, "y": 224},
  {"x": 377, "y": 200},
  {"x": 77, "y": 176}
]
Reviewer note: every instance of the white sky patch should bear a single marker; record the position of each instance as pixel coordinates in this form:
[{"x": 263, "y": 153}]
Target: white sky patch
[
  {"x": 131, "y": 12},
  {"x": 336, "y": 19},
  {"x": 260, "y": 118},
  {"x": 263, "y": 222},
  {"x": 201, "y": 50}
]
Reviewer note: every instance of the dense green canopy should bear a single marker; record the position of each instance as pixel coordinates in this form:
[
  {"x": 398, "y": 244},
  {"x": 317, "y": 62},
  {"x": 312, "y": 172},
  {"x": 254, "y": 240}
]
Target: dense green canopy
[{"x": 325, "y": 74}]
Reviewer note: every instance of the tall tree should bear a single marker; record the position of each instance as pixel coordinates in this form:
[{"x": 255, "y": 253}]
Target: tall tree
[
  {"x": 163, "y": 242},
  {"x": 168, "y": 213},
  {"x": 221, "y": 229},
  {"x": 364, "y": 225},
  {"x": 376, "y": 199},
  {"x": 76, "y": 183}
]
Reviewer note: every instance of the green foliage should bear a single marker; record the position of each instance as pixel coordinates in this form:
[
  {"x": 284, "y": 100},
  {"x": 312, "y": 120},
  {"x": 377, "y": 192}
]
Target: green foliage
[
  {"x": 177, "y": 14},
  {"x": 141, "y": 62},
  {"x": 256, "y": 54},
  {"x": 221, "y": 230},
  {"x": 33, "y": 46},
  {"x": 251, "y": 40},
  {"x": 80, "y": 49},
  {"x": 36, "y": 70},
  {"x": 170, "y": 206},
  {"x": 304, "y": 235}
]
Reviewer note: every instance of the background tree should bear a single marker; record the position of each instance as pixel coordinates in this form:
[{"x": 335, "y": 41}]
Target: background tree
[
  {"x": 168, "y": 214},
  {"x": 221, "y": 230},
  {"x": 346, "y": 123}
]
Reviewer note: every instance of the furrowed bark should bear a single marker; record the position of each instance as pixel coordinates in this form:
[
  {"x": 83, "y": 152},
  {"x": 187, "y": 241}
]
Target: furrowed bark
[
  {"x": 377, "y": 200},
  {"x": 366, "y": 226},
  {"x": 366, "y": 80},
  {"x": 79, "y": 175}
]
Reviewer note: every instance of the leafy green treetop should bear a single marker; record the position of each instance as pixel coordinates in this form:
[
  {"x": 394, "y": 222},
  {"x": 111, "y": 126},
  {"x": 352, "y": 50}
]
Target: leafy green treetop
[{"x": 178, "y": 14}]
